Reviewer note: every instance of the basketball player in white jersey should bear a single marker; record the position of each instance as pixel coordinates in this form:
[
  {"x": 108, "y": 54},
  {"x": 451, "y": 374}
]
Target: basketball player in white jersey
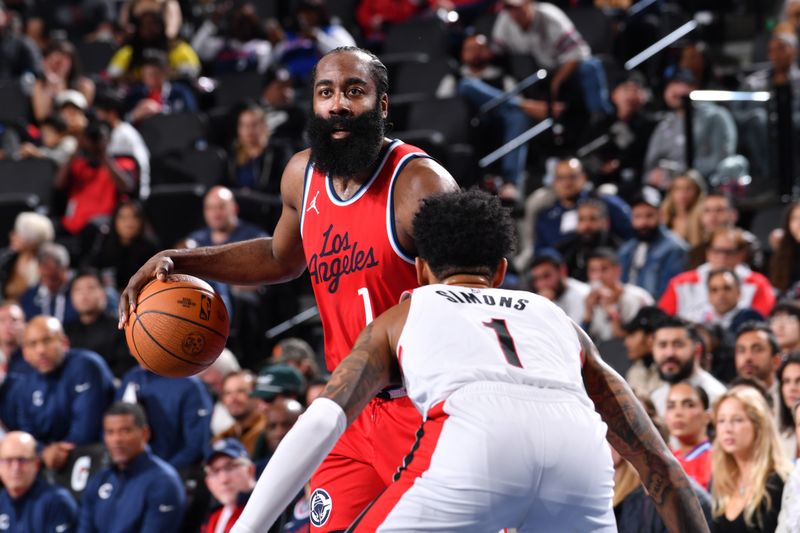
[{"x": 506, "y": 384}]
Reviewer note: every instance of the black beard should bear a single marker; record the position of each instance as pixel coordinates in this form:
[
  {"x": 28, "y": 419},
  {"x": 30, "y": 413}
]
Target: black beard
[
  {"x": 592, "y": 239},
  {"x": 353, "y": 154},
  {"x": 647, "y": 235},
  {"x": 683, "y": 373}
]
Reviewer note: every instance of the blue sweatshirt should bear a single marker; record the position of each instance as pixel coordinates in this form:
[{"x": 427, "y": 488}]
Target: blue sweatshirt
[
  {"x": 179, "y": 413},
  {"x": 45, "y": 508},
  {"x": 145, "y": 497},
  {"x": 66, "y": 404}
]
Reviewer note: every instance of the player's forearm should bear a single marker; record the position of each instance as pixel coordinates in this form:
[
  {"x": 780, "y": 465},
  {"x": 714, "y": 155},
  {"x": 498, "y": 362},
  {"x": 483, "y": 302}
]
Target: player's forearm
[
  {"x": 245, "y": 262},
  {"x": 300, "y": 453}
]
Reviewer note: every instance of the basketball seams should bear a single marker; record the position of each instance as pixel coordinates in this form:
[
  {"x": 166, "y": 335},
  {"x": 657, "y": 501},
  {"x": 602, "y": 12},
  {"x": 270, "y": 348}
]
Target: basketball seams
[
  {"x": 141, "y": 358},
  {"x": 163, "y": 348},
  {"x": 187, "y": 286},
  {"x": 184, "y": 319}
]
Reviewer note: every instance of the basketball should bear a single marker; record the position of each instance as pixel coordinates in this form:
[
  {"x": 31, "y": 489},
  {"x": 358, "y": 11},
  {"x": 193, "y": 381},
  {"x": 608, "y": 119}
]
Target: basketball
[{"x": 179, "y": 328}]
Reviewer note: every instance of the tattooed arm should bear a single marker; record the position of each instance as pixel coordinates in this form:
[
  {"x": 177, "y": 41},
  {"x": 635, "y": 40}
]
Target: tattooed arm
[
  {"x": 633, "y": 435},
  {"x": 369, "y": 367}
]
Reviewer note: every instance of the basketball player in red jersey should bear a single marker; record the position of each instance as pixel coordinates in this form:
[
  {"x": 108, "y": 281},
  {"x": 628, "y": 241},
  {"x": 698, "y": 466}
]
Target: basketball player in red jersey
[{"x": 348, "y": 206}]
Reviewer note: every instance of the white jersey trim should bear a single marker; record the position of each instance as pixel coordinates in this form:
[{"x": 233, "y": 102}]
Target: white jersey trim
[
  {"x": 391, "y": 229},
  {"x": 365, "y": 187},
  {"x": 306, "y": 189}
]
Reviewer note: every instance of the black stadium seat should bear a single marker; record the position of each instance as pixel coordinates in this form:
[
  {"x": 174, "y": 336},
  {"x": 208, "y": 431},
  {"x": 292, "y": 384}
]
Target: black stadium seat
[
  {"x": 421, "y": 78},
  {"x": 15, "y": 104},
  {"x": 237, "y": 88},
  {"x": 172, "y": 132},
  {"x": 175, "y": 211},
  {"x": 206, "y": 166},
  {"x": 11, "y": 205},
  {"x": 427, "y": 36},
  {"x": 258, "y": 208},
  {"x": 28, "y": 177},
  {"x": 83, "y": 462},
  {"x": 94, "y": 55}
]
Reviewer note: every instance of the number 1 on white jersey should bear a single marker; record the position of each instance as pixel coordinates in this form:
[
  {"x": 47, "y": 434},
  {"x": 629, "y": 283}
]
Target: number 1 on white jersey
[{"x": 364, "y": 293}]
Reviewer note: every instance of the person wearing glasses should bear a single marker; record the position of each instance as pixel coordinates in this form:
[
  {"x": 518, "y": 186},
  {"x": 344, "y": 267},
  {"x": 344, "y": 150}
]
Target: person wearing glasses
[
  {"x": 230, "y": 477},
  {"x": 138, "y": 492},
  {"x": 28, "y": 502},
  {"x": 687, "y": 293}
]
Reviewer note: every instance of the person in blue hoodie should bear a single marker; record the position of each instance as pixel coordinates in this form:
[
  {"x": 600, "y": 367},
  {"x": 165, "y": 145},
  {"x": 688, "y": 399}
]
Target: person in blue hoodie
[
  {"x": 138, "y": 492},
  {"x": 28, "y": 503},
  {"x": 179, "y": 410},
  {"x": 61, "y": 402}
]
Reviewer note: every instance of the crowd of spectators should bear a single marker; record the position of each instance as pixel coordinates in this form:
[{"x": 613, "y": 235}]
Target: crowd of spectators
[{"x": 636, "y": 210}]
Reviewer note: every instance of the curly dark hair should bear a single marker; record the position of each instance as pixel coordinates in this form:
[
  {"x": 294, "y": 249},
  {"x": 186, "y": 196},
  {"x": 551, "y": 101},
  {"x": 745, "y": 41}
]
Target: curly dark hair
[{"x": 463, "y": 232}]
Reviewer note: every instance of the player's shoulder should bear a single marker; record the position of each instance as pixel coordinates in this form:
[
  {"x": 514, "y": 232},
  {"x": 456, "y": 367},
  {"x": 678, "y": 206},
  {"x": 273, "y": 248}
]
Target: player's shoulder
[
  {"x": 294, "y": 177},
  {"x": 423, "y": 176}
]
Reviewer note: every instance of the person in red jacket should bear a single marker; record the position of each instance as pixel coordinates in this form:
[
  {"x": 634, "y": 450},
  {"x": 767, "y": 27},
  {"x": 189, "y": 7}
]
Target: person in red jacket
[
  {"x": 230, "y": 477},
  {"x": 687, "y": 293}
]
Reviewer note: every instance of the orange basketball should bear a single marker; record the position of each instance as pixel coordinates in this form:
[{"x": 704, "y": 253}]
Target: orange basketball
[{"x": 179, "y": 328}]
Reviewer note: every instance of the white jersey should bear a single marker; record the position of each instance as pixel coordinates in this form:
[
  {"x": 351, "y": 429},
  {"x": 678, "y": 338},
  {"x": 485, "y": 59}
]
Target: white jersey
[{"x": 455, "y": 335}]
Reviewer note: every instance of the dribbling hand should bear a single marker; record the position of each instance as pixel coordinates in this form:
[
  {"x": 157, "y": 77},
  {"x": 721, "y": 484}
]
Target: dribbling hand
[{"x": 159, "y": 266}]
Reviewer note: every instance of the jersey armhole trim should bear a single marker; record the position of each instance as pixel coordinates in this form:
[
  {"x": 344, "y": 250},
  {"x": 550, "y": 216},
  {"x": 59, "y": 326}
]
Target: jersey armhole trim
[
  {"x": 391, "y": 225},
  {"x": 309, "y": 173}
]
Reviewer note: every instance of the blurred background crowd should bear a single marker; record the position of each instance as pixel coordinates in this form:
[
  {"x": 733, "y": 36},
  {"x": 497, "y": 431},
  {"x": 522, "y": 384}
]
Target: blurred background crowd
[{"x": 647, "y": 150}]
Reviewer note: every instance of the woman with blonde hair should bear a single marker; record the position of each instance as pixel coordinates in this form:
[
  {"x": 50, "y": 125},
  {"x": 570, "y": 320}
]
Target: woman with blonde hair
[
  {"x": 748, "y": 466},
  {"x": 683, "y": 205},
  {"x": 19, "y": 264}
]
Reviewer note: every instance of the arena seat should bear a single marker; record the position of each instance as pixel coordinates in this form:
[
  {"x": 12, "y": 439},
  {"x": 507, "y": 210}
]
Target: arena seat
[
  {"x": 175, "y": 211},
  {"x": 28, "y": 177},
  {"x": 428, "y": 36},
  {"x": 94, "y": 55},
  {"x": 16, "y": 105},
  {"x": 594, "y": 26},
  {"x": 615, "y": 355},
  {"x": 173, "y": 132},
  {"x": 83, "y": 461},
  {"x": 421, "y": 79},
  {"x": 206, "y": 166},
  {"x": 12, "y": 204},
  {"x": 238, "y": 88},
  {"x": 259, "y": 208}
]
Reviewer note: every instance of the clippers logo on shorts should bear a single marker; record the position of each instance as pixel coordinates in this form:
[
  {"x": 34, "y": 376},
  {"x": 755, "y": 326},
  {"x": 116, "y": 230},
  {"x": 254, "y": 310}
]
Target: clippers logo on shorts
[
  {"x": 321, "y": 505},
  {"x": 338, "y": 257}
]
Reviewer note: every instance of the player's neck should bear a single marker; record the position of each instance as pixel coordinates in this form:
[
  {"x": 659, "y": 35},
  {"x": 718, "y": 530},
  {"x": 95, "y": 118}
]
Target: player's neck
[{"x": 467, "y": 280}]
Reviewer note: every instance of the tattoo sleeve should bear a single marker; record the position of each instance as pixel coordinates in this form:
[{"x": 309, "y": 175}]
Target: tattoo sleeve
[
  {"x": 634, "y": 436},
  {"x": 363, "y": 373}
]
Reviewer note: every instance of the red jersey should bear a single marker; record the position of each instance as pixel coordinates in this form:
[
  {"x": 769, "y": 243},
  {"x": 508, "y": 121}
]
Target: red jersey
[
  {"x": 697, "y": 463},
  {"x": 358, "y": 268}
]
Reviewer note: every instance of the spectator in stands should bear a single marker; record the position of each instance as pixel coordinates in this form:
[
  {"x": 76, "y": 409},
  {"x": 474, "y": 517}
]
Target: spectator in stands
[
  {"x": 785, "y": 263},
  {"x": 61, "y": 71},
  {"x": 220, "y": 212},
  {"x": 149, "y": 33},
  {"x": 545, "y": 32},
  {"x": 213, "y": 376},
  {"x": 138, "y": 492},
  {"x": 723, "y": 308},
  {"x": 688, "y": 420},
  {"x": 28, "y": 502},
  {"x": 250, "y": 421},
  {"x": 255, "y": 162},
  {"x": 19, "y": 56},
  {"x": 241, "y": 45},
  {"x": 748, "y": 466},
  {"x": 72, "y": 107},
  {"x": 683, "y": 205},
  {"x": 547, "y": 276},
  {"x": 655, "y": 254},
  {"x": 718, "y": 211},
  {"x": 784, "y": 321},
  {"x": 296, "y": 352},
  {"x": 714, "y": 133},
  {"x": 676, "y": 351},
  {"x": 481, "y": 81},
  {"x": 156, "y": 94},
  {"x": 19, "y": 263},
  {"x": 695, "y": 58},
  {"x": 14, "y": 367},
  {"x": 82, "y": 20},
  {"x": 312, "y": 34},
  {"x": 788, "y": 378},
  {"x": 62, "y": 402},
  {"x": 687, "y": 293},
  {"x": 283, "y": 413},
  {"x": 131, "y": 10},
  {"x": 789, "y": 517},
  {"x": 124, "y": 245},
  {"x": 125, "y": 140},
  {"x": 782, "y": 76},
  {"x": 57, "y": 144},
  {"x": 96, "y": 327},
  {"x": 375, "y": 16},
  {"x": 230, "y": 477},
  {"x": 570, "y": 186},
  {"x": 93, "y": 180},
  {"x": 620, "y": 157},
  {"x": 179, "y": 412},
  {"x": 51, "y": 295},
  {"x": 610, "y": 303},
  {"x": 286, "y": 120},
  {"x": 591, "y": 232},
  {"x": 279, "y": 381},
  {"x": 642, "y": 376},
  {"x": 758, "y": 356}
]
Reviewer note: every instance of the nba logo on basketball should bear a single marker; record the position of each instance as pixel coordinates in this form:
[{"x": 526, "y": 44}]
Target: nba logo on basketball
[
  {"x": 205, "y": 307},
  {"x": 321, "y": 505}
]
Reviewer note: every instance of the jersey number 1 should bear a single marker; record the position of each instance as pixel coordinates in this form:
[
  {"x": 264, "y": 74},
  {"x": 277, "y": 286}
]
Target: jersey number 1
[
  {"x": 364, "y": 293},
  {"x": 506, "y": 341}
]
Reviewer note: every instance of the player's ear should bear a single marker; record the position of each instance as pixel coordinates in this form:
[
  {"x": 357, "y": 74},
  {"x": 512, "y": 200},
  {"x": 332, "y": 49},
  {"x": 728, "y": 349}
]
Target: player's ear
[
  {"x": 423, "y": 272},
  {"x": 500, "y": 273},
  {"x": 384, "y": 103}
]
